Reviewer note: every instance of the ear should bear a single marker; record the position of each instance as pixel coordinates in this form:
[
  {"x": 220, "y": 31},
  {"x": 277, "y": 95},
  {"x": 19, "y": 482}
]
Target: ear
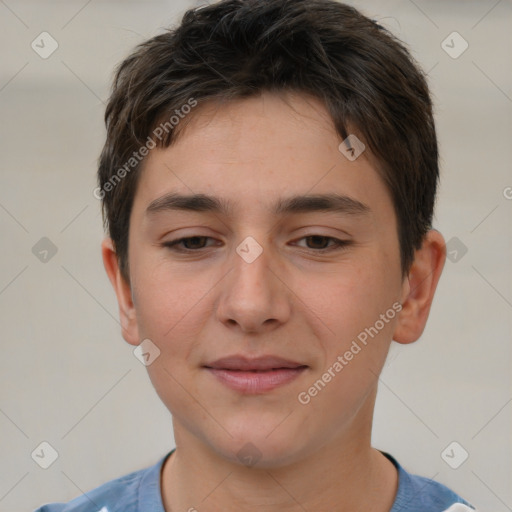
[
  {"x": 127, "y": 312},
  {"x": 419, "y": 287}
]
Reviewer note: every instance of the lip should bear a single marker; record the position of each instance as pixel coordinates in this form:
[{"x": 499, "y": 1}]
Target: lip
[
  {"x": 256, "y": 375},
  {"x": 240, "y": 362}
]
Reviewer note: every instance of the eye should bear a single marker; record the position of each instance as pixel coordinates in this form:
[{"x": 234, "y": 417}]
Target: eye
[
  {"x": 196, "y": 243},
  {"x": 190, "y": 244},
  {"x": 320, "y": 240}
]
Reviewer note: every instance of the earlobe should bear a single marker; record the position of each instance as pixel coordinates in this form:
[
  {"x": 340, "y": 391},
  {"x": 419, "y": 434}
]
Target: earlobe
[
  {"x": 127, "y": 313},
  {"x": 419, "y": 288}
]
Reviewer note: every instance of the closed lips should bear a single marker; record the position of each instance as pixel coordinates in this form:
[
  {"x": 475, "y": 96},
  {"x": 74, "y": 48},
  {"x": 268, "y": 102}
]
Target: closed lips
[
  {"x": 267, "y": 363},
  {"x": 260, "y": 371}
]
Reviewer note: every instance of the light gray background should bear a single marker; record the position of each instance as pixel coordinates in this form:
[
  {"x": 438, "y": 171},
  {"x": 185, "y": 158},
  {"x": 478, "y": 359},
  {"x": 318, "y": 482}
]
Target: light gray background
[{"x": 66, "y": 375}]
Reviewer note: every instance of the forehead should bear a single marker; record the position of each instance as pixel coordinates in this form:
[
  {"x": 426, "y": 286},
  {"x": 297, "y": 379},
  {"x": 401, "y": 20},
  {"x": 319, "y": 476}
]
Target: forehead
[{"x": 258, "y": 150}]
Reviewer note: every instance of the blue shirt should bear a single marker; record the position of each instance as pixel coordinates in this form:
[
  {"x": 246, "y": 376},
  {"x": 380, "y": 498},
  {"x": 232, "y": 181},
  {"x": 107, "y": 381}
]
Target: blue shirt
[{"x": 140, "y": 492}]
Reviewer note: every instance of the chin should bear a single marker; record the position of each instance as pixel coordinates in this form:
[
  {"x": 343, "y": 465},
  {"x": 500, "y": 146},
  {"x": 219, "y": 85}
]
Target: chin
[{"x": 255, "y": 448}]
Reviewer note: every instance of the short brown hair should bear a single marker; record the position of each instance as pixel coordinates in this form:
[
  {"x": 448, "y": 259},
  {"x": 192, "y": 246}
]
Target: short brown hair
[{"x": 364, "y": 76}]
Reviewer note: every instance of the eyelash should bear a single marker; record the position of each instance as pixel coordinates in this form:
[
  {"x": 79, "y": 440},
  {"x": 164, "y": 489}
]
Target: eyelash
[{"x": 337, "y": 245}]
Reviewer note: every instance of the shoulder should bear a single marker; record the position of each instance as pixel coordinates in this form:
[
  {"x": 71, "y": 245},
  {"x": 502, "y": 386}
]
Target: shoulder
[
  {"x": 420, "y": 494},
  {"x": 125, "y": 494}
]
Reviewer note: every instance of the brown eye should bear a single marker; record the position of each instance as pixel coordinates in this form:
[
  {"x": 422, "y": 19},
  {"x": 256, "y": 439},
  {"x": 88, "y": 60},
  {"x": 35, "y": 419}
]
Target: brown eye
[
  {"x": 319, "y": 243},
  {"x": 188, "y": 244}
]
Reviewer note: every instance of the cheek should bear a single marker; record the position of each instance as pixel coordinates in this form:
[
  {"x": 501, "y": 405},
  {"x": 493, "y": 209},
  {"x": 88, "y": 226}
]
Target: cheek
[
  {"x": 355, "y": 346},
  {"x": 351, "y": 297},
  {"x": 354, "y": 314},
  {"x": 168, "y": 300},
  {"x": 171, "y": 312}
]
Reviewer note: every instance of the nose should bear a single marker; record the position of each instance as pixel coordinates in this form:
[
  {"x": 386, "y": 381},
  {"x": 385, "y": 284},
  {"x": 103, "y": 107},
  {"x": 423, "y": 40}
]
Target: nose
[{"x": 254, "y": 295}]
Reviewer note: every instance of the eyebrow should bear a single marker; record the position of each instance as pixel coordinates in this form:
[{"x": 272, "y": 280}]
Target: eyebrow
[{"x": 335, "y": 203}]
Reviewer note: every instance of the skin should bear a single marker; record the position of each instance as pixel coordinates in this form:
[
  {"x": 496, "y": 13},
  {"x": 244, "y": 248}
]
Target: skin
[{"x": 292, "y": 301}]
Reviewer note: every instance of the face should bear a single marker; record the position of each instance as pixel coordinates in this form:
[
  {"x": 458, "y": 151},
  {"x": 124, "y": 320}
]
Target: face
[{"x": 306, "y": 282}]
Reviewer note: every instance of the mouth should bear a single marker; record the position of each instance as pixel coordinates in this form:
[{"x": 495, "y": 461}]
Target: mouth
[{"x": 255, "y": 376}]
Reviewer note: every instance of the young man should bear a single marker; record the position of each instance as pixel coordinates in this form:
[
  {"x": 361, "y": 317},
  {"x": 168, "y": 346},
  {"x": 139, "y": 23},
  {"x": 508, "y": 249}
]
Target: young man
[{"x": 268, "y": 183}]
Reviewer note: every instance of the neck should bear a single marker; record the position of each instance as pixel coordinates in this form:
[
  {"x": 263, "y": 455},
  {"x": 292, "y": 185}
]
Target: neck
[{"x": 344, "y": 475}]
